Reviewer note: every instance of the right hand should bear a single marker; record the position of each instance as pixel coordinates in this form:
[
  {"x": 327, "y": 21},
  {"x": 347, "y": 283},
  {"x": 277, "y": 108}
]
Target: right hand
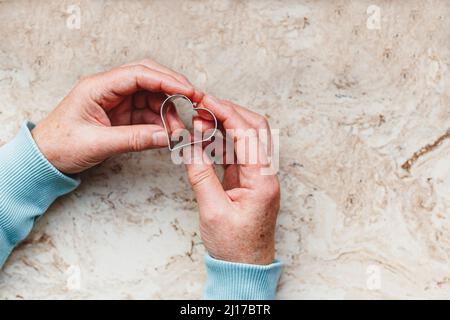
[{"x": 237, "y": 216}]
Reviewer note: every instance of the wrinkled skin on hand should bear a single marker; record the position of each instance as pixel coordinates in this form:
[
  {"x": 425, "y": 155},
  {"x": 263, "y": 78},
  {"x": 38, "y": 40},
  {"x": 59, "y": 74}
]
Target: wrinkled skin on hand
[{"x": 110, "y": 113}]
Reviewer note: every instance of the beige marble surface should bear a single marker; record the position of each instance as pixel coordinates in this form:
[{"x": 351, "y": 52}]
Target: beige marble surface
[{"x": 353, "y": 105}]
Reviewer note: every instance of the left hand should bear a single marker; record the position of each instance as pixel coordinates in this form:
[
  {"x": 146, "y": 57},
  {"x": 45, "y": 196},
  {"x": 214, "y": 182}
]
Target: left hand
[{"x": 110, "y": 113}]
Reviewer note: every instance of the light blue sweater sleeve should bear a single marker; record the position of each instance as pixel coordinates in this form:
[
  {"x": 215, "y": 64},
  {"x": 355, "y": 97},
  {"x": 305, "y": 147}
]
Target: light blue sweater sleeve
[
  {"x": 239, "y": 281},
  {"x": 28, "y": 186}
]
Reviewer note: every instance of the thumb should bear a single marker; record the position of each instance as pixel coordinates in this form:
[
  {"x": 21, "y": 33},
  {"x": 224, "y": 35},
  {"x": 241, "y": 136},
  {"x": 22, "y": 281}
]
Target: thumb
[
  {"x": 133, "y": 138},
  {"x": 207, "y": 187}
]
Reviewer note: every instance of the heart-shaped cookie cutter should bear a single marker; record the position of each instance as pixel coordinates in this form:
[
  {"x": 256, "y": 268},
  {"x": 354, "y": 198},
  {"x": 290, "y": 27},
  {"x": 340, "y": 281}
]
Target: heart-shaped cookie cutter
[{"x": 178, "y": 146}]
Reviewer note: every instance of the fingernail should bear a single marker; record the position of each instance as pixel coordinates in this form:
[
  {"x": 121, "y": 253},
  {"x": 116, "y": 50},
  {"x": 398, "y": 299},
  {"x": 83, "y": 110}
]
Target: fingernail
[{"x": 159, "y": 138}]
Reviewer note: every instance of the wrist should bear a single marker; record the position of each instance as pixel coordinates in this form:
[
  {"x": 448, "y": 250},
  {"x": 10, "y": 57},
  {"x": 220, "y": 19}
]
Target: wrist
[
  {"x": 47, "y": 146},
  {"x": 254, "y": 259},
  {"x": 28, "y": 185},
  {"x": 42, "y": 144},
  {"x": 254, "y": 256}
]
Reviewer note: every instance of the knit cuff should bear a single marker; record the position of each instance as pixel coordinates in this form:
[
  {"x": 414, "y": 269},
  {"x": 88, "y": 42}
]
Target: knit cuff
[
  {"x": 239, "y": 281},
  {"x": 28, "y": 186}
]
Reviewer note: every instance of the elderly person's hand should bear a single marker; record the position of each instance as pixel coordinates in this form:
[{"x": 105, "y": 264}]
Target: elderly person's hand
[
  {"x": 237, "y": 215},
  {"x": 110, "y": 113}
]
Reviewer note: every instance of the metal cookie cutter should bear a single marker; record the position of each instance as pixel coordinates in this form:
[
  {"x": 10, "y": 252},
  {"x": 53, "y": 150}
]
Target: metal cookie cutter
[{"x": 165, "y": 104}]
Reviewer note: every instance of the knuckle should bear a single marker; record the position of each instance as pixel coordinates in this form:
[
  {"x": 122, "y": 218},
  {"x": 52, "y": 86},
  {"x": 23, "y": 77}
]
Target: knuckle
[
  {"x": 146, "y": 61},
  {"x": 84, "y": 81},
  {"x": 213, "y": 217},
  {"x": 139, "y": 68},
  {"x": 234, "y": 113},
  {"x": 94, "y": 149},
  {"x": 230, "y": 110},
  {"x": 135, "y": 141},
  {"x": 183, "y": 78},
  {"x": 198, "y": 177},
  {"x": 84, "y": 84},
  {"x": 132, "y": 69},
  {"x": 229, "y": 104}
]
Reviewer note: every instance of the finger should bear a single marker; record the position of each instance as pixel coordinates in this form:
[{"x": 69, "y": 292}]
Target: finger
[
  {"x": 234, "y": 124},
  {"x": 205, "y": 183},
  {"x": 147, "y": 99},
  {"x": 156, "y": 66},
  {"x": 175, "y": 126},
  {"x": 161, "y": 68},
  {"x": 174, "y": 121},
  {"x": 219, "y": 151},
  {"x": 225, "y": 113},
  {"x": 203, "y": 129},
  {"x": 254, "y": 120},
  {"x": 206, "y": 186},
  {"x": 198, "y": 95},
  {"x": 121, "y": 139},
  {"x": 258, "y": 122},
  {"x": 110, "y": 87},
  {"x": 250, "y": 153}
]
